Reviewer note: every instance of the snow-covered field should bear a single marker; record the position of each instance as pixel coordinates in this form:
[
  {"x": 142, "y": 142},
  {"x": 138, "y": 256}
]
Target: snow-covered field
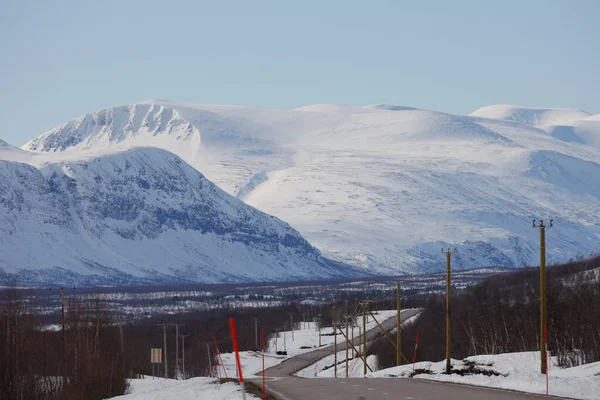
[
  {"x": 190, "y": 389},
  {"x": 513, "y": 371}
]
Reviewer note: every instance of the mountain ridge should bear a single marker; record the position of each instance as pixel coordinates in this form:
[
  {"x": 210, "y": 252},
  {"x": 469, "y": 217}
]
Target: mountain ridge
[
  {"x": 366, "y": 184},
  {"x": 141, "y": 216}
]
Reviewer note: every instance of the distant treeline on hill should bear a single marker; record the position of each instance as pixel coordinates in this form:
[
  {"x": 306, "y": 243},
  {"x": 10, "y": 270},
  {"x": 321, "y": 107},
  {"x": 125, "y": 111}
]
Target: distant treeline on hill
[{"x": 502, "y": 314}]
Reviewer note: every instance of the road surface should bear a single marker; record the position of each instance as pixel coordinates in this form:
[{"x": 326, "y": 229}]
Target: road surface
[
  {"x": 292, "y": 388},
  {"x": 301, "y": 361}
]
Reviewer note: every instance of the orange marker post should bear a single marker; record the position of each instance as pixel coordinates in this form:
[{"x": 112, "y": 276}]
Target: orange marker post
[
  {"x": 236, "y": 348},
  {"x": 415, "y": 355},
  {"x": 220, "y": 359}
]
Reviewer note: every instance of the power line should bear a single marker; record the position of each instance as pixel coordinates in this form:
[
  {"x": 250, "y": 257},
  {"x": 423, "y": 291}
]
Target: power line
[{"x": 584, "y": 207}]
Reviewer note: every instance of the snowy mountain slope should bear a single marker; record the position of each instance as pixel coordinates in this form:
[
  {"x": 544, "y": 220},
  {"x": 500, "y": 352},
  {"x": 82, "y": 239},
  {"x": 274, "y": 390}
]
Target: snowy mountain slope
[
  {"x": 531, "y": 115},
  {"x": 6, "y": 148},
  {"x": 385, "y": 186},
  {"x": 584, "y": 131},
  {"x": 139, "y": 216}
]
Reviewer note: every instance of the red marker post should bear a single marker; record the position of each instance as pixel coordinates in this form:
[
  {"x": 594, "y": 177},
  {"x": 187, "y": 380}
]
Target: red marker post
[
  {"x": 415, "y": 355},
  {"x": 262, "y": 335},
  {"x": 220, "y": 359},
  {"x": 236, "y": 348}
]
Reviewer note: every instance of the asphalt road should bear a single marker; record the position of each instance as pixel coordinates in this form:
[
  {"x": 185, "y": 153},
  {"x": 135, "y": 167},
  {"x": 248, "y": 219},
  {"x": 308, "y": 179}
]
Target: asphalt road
[
  {"x": 383, "y": 388},
  {"x": 295, "y": 364},
  {"x": 286, "y": 387}
]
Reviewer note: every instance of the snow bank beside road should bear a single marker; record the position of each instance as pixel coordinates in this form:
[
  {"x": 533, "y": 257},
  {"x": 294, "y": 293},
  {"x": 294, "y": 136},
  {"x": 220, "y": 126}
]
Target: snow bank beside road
[
  {"x": 190, "y": 389},
  {"x": 251, "y": 363},
  {"x": 512, "y": 371}
]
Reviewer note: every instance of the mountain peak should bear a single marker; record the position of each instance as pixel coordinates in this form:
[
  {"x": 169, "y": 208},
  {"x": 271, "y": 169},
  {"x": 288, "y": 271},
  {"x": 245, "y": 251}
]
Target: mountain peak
[
  {"x": 141, "y": 216},
  {"x": 137, "y": 123},
  {"x": 339, "y": 173}
]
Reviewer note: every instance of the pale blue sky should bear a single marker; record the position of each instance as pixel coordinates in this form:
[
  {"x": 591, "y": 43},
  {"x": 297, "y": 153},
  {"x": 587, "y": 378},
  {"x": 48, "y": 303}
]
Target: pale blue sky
[{"x": 62, "y": 59}]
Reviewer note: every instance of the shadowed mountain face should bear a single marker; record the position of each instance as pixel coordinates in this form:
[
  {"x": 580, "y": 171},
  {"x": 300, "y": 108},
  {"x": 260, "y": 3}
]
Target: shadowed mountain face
[
  {"x": 140, "y": 216},
  {"x": 382, "y": 187}
]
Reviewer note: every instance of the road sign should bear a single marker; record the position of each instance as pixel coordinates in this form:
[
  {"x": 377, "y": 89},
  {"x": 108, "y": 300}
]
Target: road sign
[{"x": 156, "y": 355}]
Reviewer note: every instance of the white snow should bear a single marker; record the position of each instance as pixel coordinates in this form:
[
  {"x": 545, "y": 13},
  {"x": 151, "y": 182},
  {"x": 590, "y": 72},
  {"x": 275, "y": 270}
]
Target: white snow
[
  {"x": 137, "y": 215},
  {"x": 517, "y": 371},
  {"x": 309, "y": 336},
  {"x": 531, "y": 115},
  {"x": 323, "y": 368},
  {"x": 366, "y": 185},
  {"x": 251, "y": 363},
  {"x": 190, "y": 389}
]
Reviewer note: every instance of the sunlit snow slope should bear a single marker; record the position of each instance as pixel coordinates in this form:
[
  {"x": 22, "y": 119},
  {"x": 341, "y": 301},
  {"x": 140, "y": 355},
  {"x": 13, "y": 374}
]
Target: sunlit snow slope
[
  {"x": 138, "y": 216},
  {"x": 383, "y": 186}
]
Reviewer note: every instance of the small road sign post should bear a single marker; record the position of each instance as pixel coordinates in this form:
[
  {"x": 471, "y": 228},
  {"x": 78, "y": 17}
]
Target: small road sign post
[{"x": 155, "y": 358}]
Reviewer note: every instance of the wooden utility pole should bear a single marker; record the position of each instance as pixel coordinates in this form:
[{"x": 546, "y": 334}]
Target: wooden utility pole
[
  {"x": 346, "y": 343},
  {"x": 334, "y": 348},
  {"x": 256, "y": 333},
  {"x": 542, "y": 228},
  {"x": 165, "y": 346},
  {"x": 352, "y": 336},
  {"x": 121, "y": 336},
  {"x": 319, "y": 323},
  {"x": 398, "y": 324},
  {"x": 183, "y": 353},
  {"x": 176, "y": 351},
  {"x": 292, "y": 325},
  {"x": 364, "y": 309},
  {"x": 357, "y": 351},
  {"x": 448, "y": 326},
  {"x": 359, "y": 340},
  {"x": 209, "y": 359},
  {"x": 64, "y": 338}
]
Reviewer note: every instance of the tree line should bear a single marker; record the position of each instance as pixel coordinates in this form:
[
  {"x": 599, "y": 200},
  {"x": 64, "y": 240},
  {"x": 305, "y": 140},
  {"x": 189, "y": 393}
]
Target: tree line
[
  {"x": 97, "y": 352},
  {"x": 501, "y": 314}
]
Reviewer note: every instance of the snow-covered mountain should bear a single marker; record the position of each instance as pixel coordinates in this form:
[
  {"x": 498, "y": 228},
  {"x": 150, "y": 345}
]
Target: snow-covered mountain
[
  {"x": 531, "y": 115},
  {"x": 382, "y": 186},
  {"x": 138, "y": 216}
]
